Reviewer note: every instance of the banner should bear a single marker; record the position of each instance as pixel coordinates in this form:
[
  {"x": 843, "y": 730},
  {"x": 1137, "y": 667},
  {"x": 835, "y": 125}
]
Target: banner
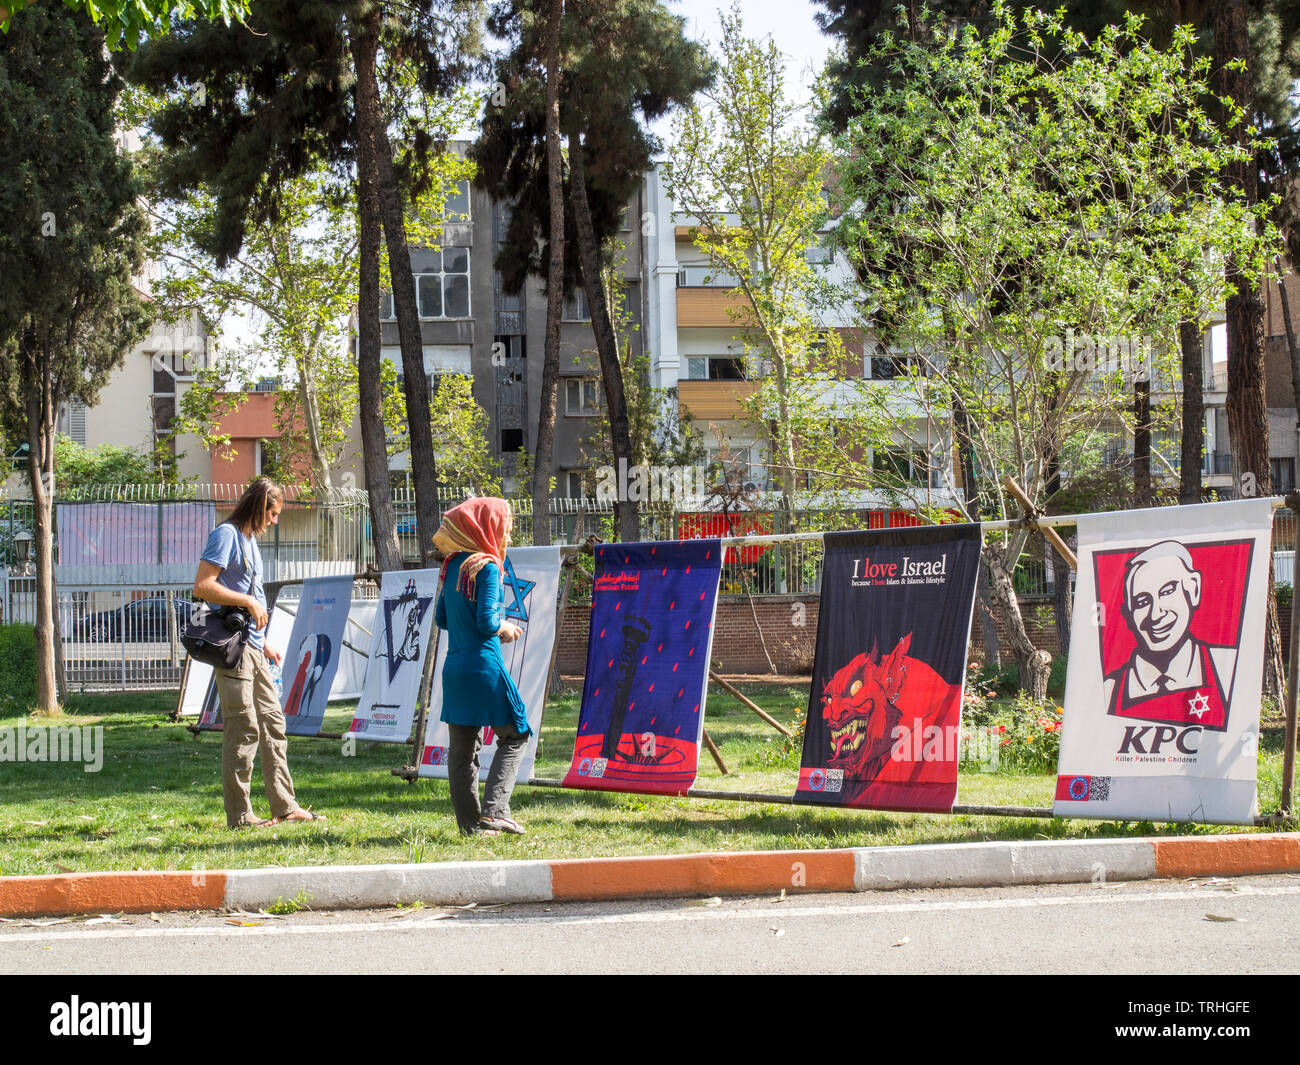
[
  {"x": 139, "y": 533},
  {"x": 399, "y": 639},
  {"x": 647, "y": 667},
  {"x": 1162, "y": 691},
  {"x": 312, "y": 654},
  {"x": 884, "y": 710},
  {"x": 530, "y": 593}
]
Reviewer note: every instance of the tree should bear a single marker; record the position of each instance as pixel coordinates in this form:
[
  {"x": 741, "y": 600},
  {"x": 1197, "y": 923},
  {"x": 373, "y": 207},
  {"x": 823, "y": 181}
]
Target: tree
[
  {"x": 749, "y": 171},
  {"x": 298, "y": 275},
  {"x": 81, "y": 467},
  {"x": 301, "y": 89},
  {"x": 128, "y": 21},
  {"x": 1013, "y": 213},
  {"x": 623, "y": 64},
  {"x": 69, "y": 311}
]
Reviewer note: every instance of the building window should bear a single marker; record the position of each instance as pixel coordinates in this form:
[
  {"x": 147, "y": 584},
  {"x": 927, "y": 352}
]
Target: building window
[
  {"x": 574, "y": 484},
  {"x": 512, "y": 440},
  {"x": 576, "y": 308},
  {"x": 625, "y": 220},
  {"x": 889, "y": 366},
  {"x": 908, "y": 465},
  {"x": 582, "y": 397},
  {"x": 717, "y": 368},
  {"x": 441, "y": 284},
  {"x": 456, "y": 209},
  {"x": 705, "y": 277},
  {"x": 1282, "y": 472}
]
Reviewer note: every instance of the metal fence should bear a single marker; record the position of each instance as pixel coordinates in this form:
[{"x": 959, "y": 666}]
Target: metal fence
[{"x": 121, "y": 610}]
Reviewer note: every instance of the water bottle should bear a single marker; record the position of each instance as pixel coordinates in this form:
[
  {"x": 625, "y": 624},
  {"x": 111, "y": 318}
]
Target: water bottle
[{"x": 277, "y": 675}]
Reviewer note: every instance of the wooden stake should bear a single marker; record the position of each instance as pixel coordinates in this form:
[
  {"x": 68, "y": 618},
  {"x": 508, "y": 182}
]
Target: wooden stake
[
  {"x": 713, "y": 750},
  {"x": 730, "y": 690},
  {"x": 1009, "y": 483}
]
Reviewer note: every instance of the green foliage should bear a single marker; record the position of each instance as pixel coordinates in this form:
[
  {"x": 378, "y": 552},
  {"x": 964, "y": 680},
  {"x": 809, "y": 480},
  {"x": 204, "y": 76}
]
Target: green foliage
[
  {"x": 283, "y": 907},
  {"x": 127, "y": 22},
  {"x": 1000, "y": 198},
  {"x": 17, "y": 666},
  {"x": 80, "y": 467},
  {"x": 748, "y": 166},
  {"x": 460, "y": 431}
]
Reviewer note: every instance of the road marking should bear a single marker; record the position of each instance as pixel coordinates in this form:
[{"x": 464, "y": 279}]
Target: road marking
[{"x": 763, "y": 912}]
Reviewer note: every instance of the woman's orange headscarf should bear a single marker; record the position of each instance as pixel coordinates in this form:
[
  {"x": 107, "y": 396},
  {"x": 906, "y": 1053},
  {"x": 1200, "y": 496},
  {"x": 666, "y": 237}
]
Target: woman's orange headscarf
[{"x": 479, "y": 526}]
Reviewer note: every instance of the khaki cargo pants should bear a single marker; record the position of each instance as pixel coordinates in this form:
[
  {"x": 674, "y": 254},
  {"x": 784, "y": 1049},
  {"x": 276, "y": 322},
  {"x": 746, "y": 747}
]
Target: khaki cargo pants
[{"x": 251, "y": 719}]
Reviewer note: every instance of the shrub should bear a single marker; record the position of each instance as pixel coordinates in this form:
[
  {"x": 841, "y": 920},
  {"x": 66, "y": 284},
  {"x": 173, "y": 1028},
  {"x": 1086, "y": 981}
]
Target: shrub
[{"x": 17, "y": 666}]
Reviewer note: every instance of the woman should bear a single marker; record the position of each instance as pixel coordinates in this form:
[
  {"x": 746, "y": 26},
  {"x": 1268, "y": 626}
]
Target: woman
[
  {"x": 477, "y": 689},
  {"x": 230, "y": 574}
]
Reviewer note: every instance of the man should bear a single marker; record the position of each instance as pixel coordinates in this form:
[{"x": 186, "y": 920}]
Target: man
[{"x": 1171, "y": 675}]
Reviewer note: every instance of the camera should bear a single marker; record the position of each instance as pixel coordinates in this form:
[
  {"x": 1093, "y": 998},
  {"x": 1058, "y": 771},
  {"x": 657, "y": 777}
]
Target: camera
[{"x": 236, "y": 619}]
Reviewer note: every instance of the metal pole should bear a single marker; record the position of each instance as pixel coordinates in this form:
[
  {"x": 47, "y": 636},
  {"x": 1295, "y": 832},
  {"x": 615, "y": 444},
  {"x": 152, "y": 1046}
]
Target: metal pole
[{"x": 1289, "y": 742}]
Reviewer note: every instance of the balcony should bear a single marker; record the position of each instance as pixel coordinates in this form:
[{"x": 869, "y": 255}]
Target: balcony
[
  {"x": 712, "y": 306},
  {"x": 707, "y": 401}
]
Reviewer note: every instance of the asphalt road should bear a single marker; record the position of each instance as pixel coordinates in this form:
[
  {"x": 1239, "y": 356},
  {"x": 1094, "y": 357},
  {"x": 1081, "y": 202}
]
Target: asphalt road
[{"x": 1212, "y": 926}]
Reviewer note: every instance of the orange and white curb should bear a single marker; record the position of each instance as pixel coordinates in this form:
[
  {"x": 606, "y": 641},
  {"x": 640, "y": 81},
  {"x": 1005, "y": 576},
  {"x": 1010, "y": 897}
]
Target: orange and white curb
[{"x": 662, "y": 876}]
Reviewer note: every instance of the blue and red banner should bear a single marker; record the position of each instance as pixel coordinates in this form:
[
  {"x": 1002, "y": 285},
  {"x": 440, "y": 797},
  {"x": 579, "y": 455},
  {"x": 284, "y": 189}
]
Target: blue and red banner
[
  {"x": 884, "y": 711},
  {"x": 647, "y": 667}
]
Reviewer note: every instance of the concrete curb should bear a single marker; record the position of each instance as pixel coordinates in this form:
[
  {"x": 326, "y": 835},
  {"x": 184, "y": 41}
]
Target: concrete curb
[{"x": 666, "y": 876}]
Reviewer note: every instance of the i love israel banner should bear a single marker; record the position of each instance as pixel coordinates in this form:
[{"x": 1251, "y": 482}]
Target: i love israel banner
[{"x": 884, "y": 710}]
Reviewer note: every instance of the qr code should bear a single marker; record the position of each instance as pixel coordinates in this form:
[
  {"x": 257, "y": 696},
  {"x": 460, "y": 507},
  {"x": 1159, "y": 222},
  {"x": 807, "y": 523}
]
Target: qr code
[
  {"x": 834, "y": 780},
  {"x": 1099, "y": 789},
  {"x": 598, "y": 766}
]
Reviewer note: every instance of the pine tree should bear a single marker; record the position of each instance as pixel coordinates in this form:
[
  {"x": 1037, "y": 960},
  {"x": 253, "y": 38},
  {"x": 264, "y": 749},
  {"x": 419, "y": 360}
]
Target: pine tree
[
  {"x": 624, "y": 63},
  {"x": 69, "y": 250},
  {"x": 297, "y": 89}
]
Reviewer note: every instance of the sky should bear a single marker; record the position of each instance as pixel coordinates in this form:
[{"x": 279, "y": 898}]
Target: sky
[{"x": 789, "y": 22}]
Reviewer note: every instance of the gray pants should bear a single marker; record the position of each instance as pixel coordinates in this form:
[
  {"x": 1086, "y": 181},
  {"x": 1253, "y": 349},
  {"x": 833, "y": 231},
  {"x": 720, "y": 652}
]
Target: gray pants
[{"x": 462, "y": 773}]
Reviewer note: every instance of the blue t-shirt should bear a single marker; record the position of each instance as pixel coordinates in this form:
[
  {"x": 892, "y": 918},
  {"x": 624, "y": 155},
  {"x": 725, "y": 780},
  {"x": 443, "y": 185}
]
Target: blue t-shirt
[{"x": 241, "y": 568}]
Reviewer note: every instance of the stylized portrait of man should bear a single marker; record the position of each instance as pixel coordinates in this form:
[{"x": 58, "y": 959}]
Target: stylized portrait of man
[{"x": 1171, "y": 675}]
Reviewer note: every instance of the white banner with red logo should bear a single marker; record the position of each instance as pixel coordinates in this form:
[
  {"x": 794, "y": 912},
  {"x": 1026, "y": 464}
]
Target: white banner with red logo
[
  {"x": 1166, "y": 660},
  {"x": 529, "y": 595},
  {"x": 399, "y": 639}
]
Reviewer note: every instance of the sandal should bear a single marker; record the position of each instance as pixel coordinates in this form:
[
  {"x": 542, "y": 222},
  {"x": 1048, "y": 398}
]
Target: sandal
[
  {"x": 299, "y": 814},
  {"x": 502, "y": 824},
  {"x": 256, "y": 822}
]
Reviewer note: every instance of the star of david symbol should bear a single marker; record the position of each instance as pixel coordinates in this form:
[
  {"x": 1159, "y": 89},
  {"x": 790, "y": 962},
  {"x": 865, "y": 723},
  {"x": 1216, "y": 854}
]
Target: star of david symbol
[
  {"x": 1198, "y": 704},
  {"x": 394, "y": 655},
  {"x": 518, "y": 609}
]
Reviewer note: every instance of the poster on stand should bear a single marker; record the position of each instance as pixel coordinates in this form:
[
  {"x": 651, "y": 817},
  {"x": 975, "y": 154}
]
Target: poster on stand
[
  {"x": 311, "y": 656},
  {"x": 884, "y": 710},
  {"x": 529, "y": 596},
  {"x": 399, "y": 640},
  {"x": 1162, "y": 691},
  {"x": 642, "y": 716}
]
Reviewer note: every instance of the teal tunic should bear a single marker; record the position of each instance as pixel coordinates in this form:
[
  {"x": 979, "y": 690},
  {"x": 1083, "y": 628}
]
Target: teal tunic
[{"x": 477, "y": 689}]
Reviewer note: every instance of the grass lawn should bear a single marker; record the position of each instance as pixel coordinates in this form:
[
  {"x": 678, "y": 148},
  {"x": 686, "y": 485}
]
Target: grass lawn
[{"x": 156, "y": 803}]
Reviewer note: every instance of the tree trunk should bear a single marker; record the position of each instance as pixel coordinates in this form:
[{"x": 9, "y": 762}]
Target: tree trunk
[
  {"x": 374, "y": 445},
  {"x": 971, "y": 498},
  {"x": 1035, "y": 665},
  {"x": 1141, "y": 444},
  {"x": 40, "y": 431},
  {"x": 423, "y": 460},
  {"x": 1193, "y": 443},
  {"x": 1246, "y": 406},
  {"x": 611, "y": 370},
  {"x": 545, "y": 443}
]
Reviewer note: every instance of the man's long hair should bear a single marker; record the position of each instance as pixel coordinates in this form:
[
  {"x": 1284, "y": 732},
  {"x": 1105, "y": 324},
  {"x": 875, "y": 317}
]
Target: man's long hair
[{"x": 250, "y": 513}]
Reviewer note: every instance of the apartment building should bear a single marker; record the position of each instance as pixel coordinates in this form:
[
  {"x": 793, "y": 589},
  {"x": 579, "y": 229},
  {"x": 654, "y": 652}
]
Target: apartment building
[{"x": 470, "y": 325}]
